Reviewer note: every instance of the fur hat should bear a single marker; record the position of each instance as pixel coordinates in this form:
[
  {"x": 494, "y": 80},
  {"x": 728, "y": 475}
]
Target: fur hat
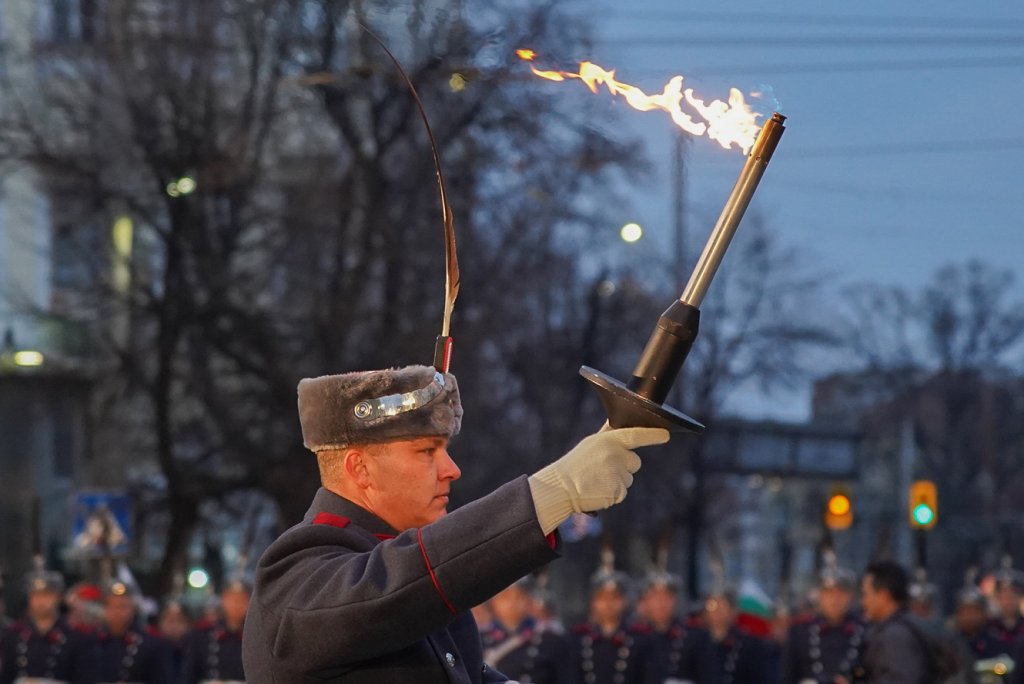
[{"x": 370, "y": 407}]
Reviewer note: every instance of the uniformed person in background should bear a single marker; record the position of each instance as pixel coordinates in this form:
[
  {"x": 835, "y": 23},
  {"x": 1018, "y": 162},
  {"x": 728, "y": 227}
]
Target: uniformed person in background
[
  {"x": 974, "y": 642},
  {"x": 544, "y": 606},
  {"x": 607, "y": 649},
  {"x": 682, "y": 645},
  {"x": 173, "y": 625},
  {"x": 127, "y": 652},
  {"x": 518, "y": 646},
  {"x": 738, "y": 657},
  {"x": 1008, "y": 625},
  {"x": 376, "y": 583},
  {"x": 213, "y": 652},
  {"x": 829, "y": 643},
  {"x": 923, "y": 604},
  {"x": 42, "y": 646}
]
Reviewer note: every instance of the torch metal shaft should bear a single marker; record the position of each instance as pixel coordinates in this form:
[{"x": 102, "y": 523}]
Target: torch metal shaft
[
  {"x": 732, "y": 212},
  {"x": 639, "y": 401}
]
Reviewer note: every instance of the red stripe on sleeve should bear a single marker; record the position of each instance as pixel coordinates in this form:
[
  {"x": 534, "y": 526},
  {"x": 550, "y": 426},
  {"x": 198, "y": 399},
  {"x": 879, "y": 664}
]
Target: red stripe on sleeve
[
  {"x": 419, "y": 538},
  {"x": 552, "y": 542}
]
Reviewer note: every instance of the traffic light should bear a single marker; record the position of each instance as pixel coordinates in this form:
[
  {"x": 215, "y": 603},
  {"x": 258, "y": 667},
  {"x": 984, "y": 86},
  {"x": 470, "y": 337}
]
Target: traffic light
[
  {"x": 924, "y": 505},
  {"x": 838, "y": 510}
]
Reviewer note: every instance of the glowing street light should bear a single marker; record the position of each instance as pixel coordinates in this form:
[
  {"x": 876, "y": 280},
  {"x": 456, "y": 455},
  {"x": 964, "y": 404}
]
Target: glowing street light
[
  {"x": 197, "y": 578},
  {"x": 631, "y": 232},
  {"x": 185, "y": 185},
  {"x": 28, "y": 358}
]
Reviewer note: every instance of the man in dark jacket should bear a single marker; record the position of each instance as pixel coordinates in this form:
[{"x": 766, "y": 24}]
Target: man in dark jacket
[
  {"x": 895, "y": 651},
  {"x": 376, "y": 583}
]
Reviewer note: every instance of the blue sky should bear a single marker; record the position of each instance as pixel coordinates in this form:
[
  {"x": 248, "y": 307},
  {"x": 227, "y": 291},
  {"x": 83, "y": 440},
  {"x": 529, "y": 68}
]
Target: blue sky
[
  {"x": 903, "y": 146},
  {"x": 904, "y": 140}
]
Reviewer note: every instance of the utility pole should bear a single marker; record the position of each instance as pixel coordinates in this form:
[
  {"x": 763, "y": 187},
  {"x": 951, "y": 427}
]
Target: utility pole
[{"x": 695, "y": 519}]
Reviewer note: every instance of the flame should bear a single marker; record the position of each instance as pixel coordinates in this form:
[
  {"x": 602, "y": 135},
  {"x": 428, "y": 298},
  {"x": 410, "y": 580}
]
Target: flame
[{"x": 727, "y": 123}]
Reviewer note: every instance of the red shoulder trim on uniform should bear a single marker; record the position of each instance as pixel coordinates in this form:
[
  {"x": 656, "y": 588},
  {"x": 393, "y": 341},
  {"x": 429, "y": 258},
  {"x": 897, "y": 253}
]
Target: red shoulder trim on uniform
[
  {"x": 419, "y": 538},
  {"x": 384, "y": 537},
  {"x": 331, "y": 519},
  {"x": 552, "y": 542}
]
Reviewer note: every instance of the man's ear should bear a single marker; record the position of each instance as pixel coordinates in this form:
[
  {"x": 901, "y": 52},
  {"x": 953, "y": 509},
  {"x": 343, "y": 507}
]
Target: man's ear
[{"x": 354, "y": 464}]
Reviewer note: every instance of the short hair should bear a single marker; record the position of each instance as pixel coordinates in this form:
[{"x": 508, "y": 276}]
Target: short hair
[
  {"x": 891, "y": 577},
  {"x": 330, "y": 461}
]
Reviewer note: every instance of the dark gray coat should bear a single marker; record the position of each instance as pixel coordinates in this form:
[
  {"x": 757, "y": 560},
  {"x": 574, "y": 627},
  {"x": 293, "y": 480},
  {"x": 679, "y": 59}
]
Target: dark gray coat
[
  {"x": 342, "y": 597},
  {"x": 894, "y": 655}
]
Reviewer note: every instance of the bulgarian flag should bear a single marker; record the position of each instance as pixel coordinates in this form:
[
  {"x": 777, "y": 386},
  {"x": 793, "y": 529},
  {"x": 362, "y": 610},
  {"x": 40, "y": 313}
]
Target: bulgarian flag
[{"x": 754, "y": 608}]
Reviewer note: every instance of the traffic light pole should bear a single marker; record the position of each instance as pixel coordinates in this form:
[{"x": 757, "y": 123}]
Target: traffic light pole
[{"x": 921, "y": 542}]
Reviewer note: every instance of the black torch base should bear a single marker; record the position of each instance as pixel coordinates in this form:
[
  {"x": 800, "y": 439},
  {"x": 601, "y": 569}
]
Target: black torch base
[{"x": 626, "y": 408}]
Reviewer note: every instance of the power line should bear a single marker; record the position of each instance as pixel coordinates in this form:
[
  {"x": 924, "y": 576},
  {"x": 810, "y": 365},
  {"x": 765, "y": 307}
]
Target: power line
[
  {"x": 908, "y": 148},
  {"x": 850, "y": 67},
  {"x": 886, "y": 22},
  {"x": 803, "y": 41}
]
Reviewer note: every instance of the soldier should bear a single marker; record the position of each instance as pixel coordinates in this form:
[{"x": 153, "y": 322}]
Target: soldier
[
  {"x": 1008, "y": 625},
  {"x": 605, "y": 649},
  {"x": 829, "y": 643},
  {"x": 972, "y": 638},
  {"x": 376, "y": 583},
  {"x": 42, "y": 646},
  {"x": 128, "y": 654},
  {"x": 738, "y": 657},
  {"x": 173, "y": 625},
  {"x": 518, "y": 646},
  {"x": 543, "y": 607},
  {"x": 213, "y": 652},
  {"x": 682, "y": 645}
]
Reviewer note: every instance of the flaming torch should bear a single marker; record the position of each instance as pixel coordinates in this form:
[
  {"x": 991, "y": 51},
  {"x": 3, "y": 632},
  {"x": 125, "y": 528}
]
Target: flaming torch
[{"x": 640, "y": 401}]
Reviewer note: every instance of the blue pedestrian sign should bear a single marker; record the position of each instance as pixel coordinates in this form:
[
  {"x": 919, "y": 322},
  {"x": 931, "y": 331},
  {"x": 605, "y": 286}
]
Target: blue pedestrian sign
[{"x": 102, "y": 524}]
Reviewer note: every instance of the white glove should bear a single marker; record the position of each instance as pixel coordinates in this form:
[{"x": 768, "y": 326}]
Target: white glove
[{"x": 593, "y": 476}]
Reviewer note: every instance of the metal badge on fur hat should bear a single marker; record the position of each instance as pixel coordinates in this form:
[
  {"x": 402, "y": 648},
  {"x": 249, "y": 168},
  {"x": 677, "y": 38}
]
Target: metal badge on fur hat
[{"x": 371, "y": 407}]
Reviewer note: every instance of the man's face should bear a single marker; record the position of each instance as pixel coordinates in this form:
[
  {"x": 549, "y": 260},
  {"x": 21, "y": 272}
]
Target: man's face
[
  {"x": 1008, "y": 599},
  {"x": 873, "y": 601},
  {"x": 970, "y": 618},
  {"x": 235, "y": 604},
  {"x": 511, "y": 606},
  {"x": 608, "y": 605},
  {"x": 834, "y": 602},
  {"x": 174, "y": 624},
  {"x": 118, "y": 613},
  {"x": 43, "y": 604},
  {"x": 410, "y": 481},
  {"x": 719, "y": 613},
  {"x": 659, "y": 604}
]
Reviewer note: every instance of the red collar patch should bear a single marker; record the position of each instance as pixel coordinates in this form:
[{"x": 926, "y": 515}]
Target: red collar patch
[{"x": 331, "y": 519}]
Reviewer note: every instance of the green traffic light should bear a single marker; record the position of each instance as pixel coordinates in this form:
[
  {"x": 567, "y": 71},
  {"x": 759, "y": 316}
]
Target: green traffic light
[{"x": 923, "y": 514}]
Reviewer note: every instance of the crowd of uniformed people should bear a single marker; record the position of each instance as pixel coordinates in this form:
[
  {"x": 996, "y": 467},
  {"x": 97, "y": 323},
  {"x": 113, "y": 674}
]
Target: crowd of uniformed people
[
  {"x": 637, "y": 632},
  {"x": 879, "y": 628},
  {"x": 92, "y": 632}
]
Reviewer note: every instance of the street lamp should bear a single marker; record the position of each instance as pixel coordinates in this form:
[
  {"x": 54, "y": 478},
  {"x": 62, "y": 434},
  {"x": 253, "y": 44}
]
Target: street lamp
[
  {"x": 198, "y": 578},
  {"x": 631, "y": 232},
  {"x": 28, "y": 358}
]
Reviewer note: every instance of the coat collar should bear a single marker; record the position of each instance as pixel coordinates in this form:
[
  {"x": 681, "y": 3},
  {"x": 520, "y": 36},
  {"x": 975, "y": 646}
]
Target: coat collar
[{"x": 328, "y": 502}]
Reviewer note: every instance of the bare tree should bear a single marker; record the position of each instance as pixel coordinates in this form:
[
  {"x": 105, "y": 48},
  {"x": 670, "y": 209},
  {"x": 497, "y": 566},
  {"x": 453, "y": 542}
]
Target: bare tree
[
  {"x": 279, "y": 192},
  {"x": 947, "y": 359}
]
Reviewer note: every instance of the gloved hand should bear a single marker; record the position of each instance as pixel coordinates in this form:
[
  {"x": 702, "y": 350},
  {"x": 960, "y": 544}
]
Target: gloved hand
[{"x": 594, "y": 475}]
